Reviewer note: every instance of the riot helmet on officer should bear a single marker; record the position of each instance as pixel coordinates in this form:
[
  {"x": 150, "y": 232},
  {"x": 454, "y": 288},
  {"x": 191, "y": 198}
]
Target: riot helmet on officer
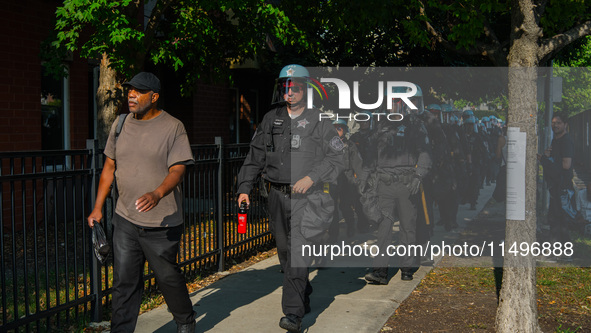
[
  {"x": 486, "y": 122},
  {"x": 447, "y": 112},
  {"x": 436, "y": 110},
  {"x": 468, "y": 117},
  {"x": 291, "y": 85},
  {"x": 469, "y": 120},
  {"x": 482, "y": 126},
  {"x": 341, "y": 127},
  {"x": 494, "y": 121},
  {"x": 399, "y": 106}
]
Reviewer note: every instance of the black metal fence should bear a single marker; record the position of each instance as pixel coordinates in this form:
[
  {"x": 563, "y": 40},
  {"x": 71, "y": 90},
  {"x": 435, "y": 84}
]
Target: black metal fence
[{"x": 49, "y": 276}]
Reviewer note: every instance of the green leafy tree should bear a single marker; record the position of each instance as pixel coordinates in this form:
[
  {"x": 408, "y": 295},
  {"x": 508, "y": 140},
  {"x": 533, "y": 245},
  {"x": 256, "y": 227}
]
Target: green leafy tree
[
  {"x": 196, "y": 38},
  {"x": 576, "y": 89},
  {"x": 578, "y": 54}
]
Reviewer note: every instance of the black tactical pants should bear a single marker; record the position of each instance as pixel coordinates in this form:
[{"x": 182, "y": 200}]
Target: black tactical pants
[
  {"x": 132, "y": 245},
  {"x": 285, "y": 215},
  {"x": 346, "y": 198},
  {"x": 473, "y": 187},
  {"x": 557, "y": 218},
  {"x": 448, "y": 209},
  {"x": 395, "y": 200}
]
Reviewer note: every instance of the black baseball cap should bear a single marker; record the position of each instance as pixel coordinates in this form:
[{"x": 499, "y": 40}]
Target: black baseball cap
[{"x": 144, "y": 80}]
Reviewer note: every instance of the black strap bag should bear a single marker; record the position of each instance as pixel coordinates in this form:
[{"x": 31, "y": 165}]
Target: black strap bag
[{"x": 100, "y": 243}]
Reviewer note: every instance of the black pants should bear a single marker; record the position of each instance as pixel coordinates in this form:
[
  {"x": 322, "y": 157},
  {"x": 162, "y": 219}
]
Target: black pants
[
  {"x": 395, "y": 198},
  {"x": 473, "y": 187},
  {"x": 448, "y": 208},
  {"x": 346, "y": 198},
  {"x": 132, "y": 245},
  {"x": 285, "y": 214},
  {"x": 557, "y": 218}
]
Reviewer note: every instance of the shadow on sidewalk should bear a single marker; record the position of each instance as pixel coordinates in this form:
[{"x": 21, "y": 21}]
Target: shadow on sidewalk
[
  {"x": 330, "y": 283},
  {"x": 217, "y": 302}
]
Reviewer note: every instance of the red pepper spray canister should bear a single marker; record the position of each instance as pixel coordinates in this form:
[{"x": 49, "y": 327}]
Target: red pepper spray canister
[{"x": 242, "y": 211}]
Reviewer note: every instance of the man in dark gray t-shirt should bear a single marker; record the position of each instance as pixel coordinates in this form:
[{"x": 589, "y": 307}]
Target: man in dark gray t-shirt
[{"x": 148, "y": 158}]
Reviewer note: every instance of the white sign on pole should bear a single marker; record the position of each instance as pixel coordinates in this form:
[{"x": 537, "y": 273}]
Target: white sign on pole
[{"x": 516, "y": 144}]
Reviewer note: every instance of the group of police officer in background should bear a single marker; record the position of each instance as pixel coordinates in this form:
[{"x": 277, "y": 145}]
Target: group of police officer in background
[
  {"x": 430, "y": 157},
  {"x": 386, "y": 171}
]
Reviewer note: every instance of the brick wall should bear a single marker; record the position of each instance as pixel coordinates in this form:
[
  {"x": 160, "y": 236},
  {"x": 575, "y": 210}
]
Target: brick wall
[
  {"x": 212, "y": 110},
  {"x": 24, "y": 25}
]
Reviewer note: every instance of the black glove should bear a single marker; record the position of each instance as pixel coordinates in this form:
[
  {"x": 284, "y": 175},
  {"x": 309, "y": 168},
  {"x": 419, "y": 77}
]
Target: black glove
[{"x": 414, "y": 185}]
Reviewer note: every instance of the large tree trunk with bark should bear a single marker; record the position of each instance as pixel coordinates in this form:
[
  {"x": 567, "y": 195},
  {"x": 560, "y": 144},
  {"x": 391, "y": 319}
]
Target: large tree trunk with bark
[
  {"x": 517, "y": 310},
  {"x": 109, "y": 97}
]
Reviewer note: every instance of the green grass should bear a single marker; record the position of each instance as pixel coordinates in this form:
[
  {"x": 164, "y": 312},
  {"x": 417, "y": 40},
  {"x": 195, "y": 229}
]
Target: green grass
[
  {"x": 568, "y": 330},
  {"x": 564, "y": 293}
]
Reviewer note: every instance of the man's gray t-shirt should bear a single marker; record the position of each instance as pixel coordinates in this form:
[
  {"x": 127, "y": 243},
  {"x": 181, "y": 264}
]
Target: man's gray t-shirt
[{"x": 144, "y": 152}]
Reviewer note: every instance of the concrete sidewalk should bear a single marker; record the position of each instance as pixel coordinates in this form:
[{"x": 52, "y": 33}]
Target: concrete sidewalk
[{"x": 250, "y": 300}]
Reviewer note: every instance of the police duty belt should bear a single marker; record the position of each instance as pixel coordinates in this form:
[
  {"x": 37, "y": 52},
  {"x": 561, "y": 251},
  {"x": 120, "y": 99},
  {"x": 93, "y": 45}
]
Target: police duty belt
[
  {"x": 389, "y": 178},
  {"x": 288, "y": 189},
  {"x": 281, "y": 187}
]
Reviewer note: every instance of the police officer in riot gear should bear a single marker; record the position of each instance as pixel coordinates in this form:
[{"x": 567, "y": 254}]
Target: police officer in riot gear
[
  {"x": 402, "y": 163},
  {"x": 476, "y": 154},
  {"x": 448, "y": 204},
  {"x": 437, "y": 182},
  {"x": 443, "y": 183},
  {"x": 494, "y": 134},
  {"x": 299, "y": 155}
]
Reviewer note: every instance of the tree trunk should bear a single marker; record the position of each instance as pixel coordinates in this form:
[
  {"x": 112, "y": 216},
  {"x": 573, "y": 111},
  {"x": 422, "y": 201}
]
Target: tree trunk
[
  {"x": 517, "y": 310},
  {"x": 109, "y": 97}
]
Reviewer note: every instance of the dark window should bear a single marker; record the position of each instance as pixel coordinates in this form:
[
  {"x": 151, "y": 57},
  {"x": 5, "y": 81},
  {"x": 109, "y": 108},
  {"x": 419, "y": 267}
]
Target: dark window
[{"x": 52, "y": 112}]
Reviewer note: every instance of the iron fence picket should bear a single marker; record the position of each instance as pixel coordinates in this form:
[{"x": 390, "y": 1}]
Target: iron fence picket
[{"x": 44, "y": 199}]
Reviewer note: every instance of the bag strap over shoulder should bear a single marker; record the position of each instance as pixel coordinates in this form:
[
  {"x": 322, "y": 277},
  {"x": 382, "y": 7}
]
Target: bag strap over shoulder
[
  {"x": 118, "y": 129},
  {"x": 121, "y": 118}
]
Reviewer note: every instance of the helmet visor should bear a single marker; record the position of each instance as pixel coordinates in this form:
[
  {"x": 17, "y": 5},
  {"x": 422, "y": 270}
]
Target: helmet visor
[
  {"x": 418, "y": 102},
  {"x": 289, "y": 90},
  {"x": 398, "y": 106}
]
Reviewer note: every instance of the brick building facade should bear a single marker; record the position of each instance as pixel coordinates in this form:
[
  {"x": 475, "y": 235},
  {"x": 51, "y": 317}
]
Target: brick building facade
[
  {"x": 36, "y": 112},
  {"x": 25, "y": 24}
]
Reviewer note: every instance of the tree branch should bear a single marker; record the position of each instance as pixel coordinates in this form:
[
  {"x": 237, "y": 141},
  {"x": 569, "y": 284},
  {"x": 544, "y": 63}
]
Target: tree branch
[
  {"x": 155, "y": 18},
  {"x": 539, "y": 10},
  {"x": 492, "y": 51},
  {"x": 151, "y": 27},
  {"x": 549, "y": 47}
]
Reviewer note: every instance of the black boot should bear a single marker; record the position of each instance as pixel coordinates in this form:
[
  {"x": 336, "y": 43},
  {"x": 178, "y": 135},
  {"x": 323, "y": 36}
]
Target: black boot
[
  {"x": 291, "y": 323},
  {"x": 375, "y": 277},
  {"x": 186, "y": 328}
]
